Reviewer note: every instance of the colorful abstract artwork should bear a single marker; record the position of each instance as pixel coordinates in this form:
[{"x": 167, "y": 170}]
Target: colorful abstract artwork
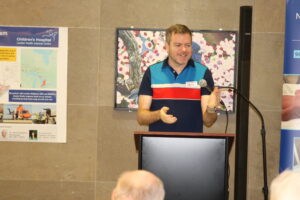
[{"x": 137, "y": 49}]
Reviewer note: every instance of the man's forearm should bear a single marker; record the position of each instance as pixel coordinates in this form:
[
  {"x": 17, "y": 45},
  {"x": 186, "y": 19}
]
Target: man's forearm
[{"x": 146, "y": 117}]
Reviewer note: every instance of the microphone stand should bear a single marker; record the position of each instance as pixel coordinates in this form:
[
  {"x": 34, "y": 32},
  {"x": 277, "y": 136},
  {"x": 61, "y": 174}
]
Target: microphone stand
[
  {"x": 263, "y": 135},
  {"x": 226, "y": 112}
]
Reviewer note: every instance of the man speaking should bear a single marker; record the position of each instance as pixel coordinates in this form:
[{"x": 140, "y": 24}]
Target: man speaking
[{"x": 170, "y": 98}]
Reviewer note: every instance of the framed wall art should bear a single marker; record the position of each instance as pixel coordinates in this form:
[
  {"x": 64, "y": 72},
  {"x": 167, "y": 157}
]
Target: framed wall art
[{"x": 137, "y": 49}]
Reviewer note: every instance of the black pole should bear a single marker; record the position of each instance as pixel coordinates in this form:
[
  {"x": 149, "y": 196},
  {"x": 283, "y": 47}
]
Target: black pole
[{"x": 242, "y": 114}]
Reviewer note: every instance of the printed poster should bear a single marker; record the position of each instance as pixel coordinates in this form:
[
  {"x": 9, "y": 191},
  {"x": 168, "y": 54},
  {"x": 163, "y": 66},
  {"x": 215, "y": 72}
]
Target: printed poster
[
  {"x": 33, "y": 84},
  {"x": 290, "y": 116}
]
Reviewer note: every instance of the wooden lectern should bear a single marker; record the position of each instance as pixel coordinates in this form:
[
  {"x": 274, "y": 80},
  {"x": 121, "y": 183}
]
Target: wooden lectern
[{"x": 193, "y": 166}]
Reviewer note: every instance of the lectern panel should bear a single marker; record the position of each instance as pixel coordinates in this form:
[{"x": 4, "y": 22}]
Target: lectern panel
[{"x": 191, "y": 168}]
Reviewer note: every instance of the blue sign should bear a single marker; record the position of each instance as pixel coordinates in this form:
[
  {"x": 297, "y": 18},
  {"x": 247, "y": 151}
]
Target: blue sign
[
  {"x": 289, "y": 155},
  {"x": 36, "y": 96},
  {"x": 292, "y": 38},
  {"x": 29, "y": 36}
]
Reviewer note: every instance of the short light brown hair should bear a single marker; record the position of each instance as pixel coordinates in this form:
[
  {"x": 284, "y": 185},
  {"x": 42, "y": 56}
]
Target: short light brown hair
[{"x": 177, "y": 28}]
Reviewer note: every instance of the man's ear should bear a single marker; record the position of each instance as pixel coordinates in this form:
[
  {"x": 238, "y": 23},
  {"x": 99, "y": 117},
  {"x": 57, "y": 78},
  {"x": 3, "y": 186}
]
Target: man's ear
[{"x": 167, "y": 47}]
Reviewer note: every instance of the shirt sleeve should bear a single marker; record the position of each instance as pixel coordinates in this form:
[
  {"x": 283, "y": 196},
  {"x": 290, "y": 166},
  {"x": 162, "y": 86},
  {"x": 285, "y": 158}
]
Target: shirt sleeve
[
  {"x": 210, "y": 83},
  {"x": 145, "y": 87}
]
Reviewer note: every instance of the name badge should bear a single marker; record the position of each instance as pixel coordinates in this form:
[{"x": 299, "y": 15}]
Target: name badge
[{"x": 191, "y": 84}]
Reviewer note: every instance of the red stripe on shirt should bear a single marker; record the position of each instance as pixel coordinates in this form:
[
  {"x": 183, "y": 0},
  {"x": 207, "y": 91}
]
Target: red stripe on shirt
[{"x": 176, "y": 93}]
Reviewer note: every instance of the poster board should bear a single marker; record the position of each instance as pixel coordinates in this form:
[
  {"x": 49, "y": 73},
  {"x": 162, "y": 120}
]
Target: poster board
[{"x": 33, "y": 84}]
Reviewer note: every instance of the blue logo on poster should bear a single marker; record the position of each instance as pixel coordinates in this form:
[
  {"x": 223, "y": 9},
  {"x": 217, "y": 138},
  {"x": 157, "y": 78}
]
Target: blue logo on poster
[{"x": 296, "y": 53}]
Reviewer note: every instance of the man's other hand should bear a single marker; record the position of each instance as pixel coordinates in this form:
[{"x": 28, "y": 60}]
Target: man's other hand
[{"x": 166, "y": 118}]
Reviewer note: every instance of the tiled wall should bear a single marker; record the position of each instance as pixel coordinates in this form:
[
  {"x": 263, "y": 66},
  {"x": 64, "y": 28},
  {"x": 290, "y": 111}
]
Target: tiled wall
[{"x": 100, "y": 139}]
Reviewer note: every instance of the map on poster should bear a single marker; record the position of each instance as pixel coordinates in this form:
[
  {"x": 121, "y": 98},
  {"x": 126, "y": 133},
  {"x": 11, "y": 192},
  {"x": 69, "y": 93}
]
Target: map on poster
[
  {"x": 38, "y": 68},
  {"x": 33, "y": 84}
]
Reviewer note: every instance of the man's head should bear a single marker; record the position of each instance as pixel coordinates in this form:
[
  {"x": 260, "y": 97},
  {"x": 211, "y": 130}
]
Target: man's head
[
  {"x": 286, "y": 186},
  {"x": 177, "y": 29},
  {"x": 179, "y": 45},
  {"x": 138, "y": 185}
]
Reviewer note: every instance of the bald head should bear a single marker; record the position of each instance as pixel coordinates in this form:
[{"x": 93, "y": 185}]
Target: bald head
[
  {"x": 138, "y": 185},
  {"x": 286, "y": 186}
]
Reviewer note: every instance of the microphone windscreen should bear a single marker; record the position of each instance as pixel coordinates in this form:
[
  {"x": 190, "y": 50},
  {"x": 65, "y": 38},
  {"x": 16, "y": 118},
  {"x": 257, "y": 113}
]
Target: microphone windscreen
[{"x": 203, "y": 83}]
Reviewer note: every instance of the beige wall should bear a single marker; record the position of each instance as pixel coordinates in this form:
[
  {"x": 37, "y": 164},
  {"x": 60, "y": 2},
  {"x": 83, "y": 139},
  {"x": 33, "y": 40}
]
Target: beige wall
[{"x": 100, "y": 141}]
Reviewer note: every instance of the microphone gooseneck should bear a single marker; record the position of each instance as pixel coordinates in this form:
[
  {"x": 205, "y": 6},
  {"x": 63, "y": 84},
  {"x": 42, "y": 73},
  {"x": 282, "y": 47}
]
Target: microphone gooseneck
[{"x": 263, "y": 135}]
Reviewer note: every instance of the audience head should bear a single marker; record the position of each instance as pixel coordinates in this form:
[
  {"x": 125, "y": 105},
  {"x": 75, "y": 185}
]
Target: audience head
[
  {"x": 138, "y": 185},
  {"x": 286, "y": 186}
]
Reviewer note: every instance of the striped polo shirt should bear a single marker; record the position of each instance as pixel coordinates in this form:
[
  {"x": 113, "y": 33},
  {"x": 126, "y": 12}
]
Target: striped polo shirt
[{"x": 181, "y": 93}]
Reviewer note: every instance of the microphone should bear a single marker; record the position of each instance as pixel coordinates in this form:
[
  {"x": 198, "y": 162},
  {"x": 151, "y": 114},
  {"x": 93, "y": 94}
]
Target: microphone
[{"x": 203, "y": 84}]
